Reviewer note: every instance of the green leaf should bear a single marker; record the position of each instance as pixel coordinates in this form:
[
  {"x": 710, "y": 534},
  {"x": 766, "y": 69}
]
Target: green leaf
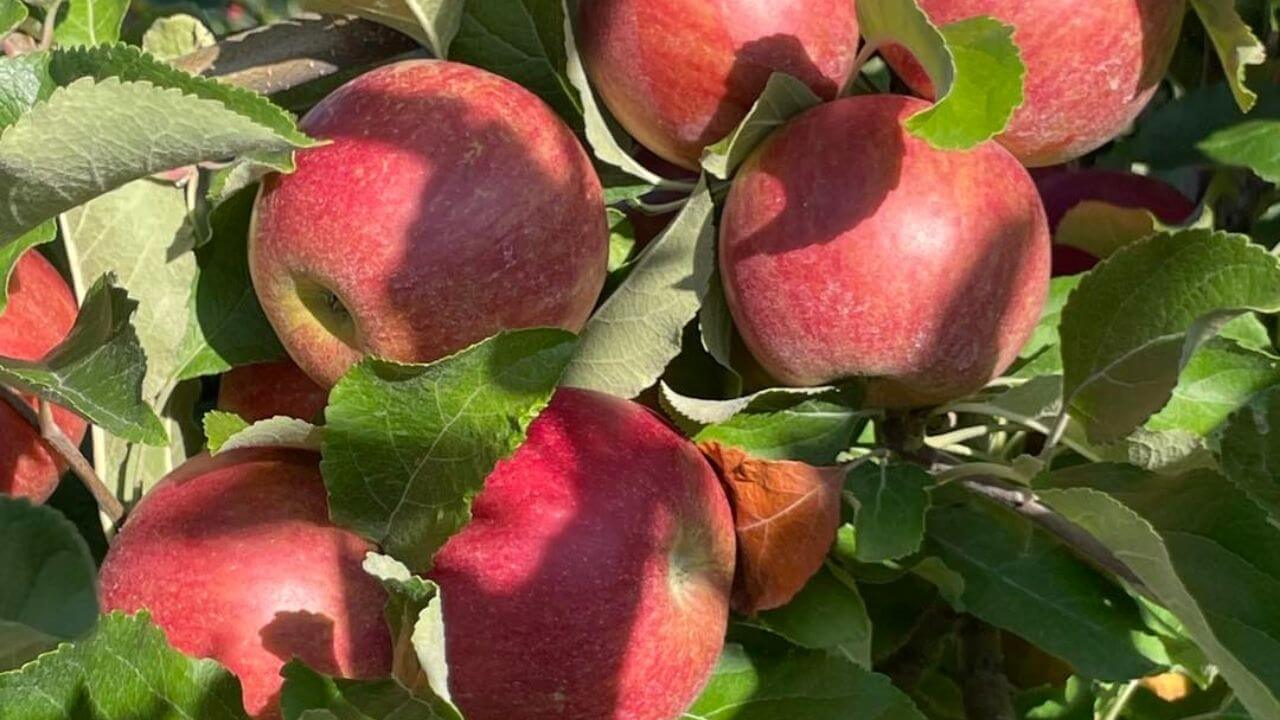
[
  {"x": 975, "y": 67},
  {"x": 1134, "y": 321},
  {"x": 783, "y": 98},
  {"x": 1163, "y": 451},
  {"x": 23, "y": 81},
  {"x": 1042, "y": 355},
  {"x": 176, "y": 35},
  {"x": 308, "y": 695},
  {"x": 139, "y": 233},
  {"x": 1250, "y": 454},
  {"x": 622, "y": 240},
  {"x": 226, "y": 324},
  {"x": 1208, "y": 553},
  {"x": 1220, "y": 378},
  {"x": 48, "y": 594},
  {"x": 124, "y": 670},
  {"x": 12, "y": 13},
  {"x": 407, "y": 447},
  {"x": 122, "y": 115},
  {"x": 91, "y": 22},
  {"x": 1236, "y": 44},
  {"x": 97, "y": 371},
  {"x": 890, "y": 501},
  {"x": 828, "y": 614},
  {"x": 1204, "y": 127},
  {"x": 632, "y": 337},
  {"x": 11, "y": 253},
  {"x": 696, "y": 412},
  {"x": 219, "y": 427},
  {"x": 434, "y": 23},
  {"x": 1019, "y": 579},
  {"x": 416, "y": 619},
  {"x": 797, "y": 685},
  {"x": 276, "y": 432},
  {"x": 812, "y": 432}
]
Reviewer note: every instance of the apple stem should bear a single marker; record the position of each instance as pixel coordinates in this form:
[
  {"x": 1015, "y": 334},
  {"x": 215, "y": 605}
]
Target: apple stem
[
  {"x": 864, "y": 55},
  {"x": 46, "y": 28},
  {"x": 42, "y": 419},
  {"x": 988, "y": 694}
]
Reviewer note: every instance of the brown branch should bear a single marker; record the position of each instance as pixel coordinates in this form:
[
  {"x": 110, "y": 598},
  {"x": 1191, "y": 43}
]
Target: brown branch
[
  {"x": 290, "y": 53},
  {"x": 988, "y": 695},
  {"x": 61, "y": 445}
]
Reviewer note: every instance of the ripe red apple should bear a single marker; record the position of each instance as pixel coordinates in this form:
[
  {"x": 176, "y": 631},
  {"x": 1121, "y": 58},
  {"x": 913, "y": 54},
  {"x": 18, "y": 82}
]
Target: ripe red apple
[
  {"x": 1091, "y": 67},
  {"x": 449, "y": 205},
  {"x": 236, "y": 559},
  {"x": 593, "y": 581},
  {"x": 849, "y": 247},
  {"x": 681, "y": 74},
  {"x": 1065, "y": 190},
  {"x": 266, "y": 390},
  {"x": 40, "y": 313}
]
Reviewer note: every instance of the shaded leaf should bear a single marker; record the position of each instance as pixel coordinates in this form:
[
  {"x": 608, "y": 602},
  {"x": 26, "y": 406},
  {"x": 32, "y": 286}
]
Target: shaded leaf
[
  {"x": 1221, "y": 377},
  {"x": 308, "y": 695},
  {"x": 1236, "y": 44},
  {"x": 783, "y": 98},
  {"x": 890, "y": 499},
  {"x": 1250, "y": 453},
  {"x": 812, "y": 432},
  {"x": 11, "y": 253},
  {"x": 434, "y": 23},
  {"x": 828, "y": 614},
  {"x": 786, "y": 515}
]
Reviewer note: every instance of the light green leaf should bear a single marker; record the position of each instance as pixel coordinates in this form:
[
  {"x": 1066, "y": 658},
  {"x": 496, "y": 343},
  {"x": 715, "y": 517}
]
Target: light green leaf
[
  {"x": 636, "y": 332},
  {"x": 974, "y": 64},
  {"x": 416, "y": 620},
  {"x": 12, "y": 13},
  {"x": 783, "y": 98},
  {"x": 828, "y": 614},
  {"x": 1236, "y": 44},
  {"x": 1101, "y": 229},
  {"x": 97, "y": 371},
  {"x": 226, "y": 324},
  {"x": 124, "y": 670},
  {"x": 797, "y": 685},
  {"x": 1134, "y": 321},
  {"x": 696, "y": 412},
  {"x": 308, "y": 695},
  {"x": 1250, "y": 454},
  {"x": 120, "y": 116},
  {"x": 622, "y": 240},
  {"x": 176, "y": 35},
  {"x": 11, "y": 253},
  {"x": 48, "y": 594},
  {"x": 812, "y": 432},
  {"x": 24, "y": 80},
  {"x": 91, "y": 22},
  {"x": 1021, "y": 580},
  {"x": 276, "y": 432},
  {"x": 1163, "y": 451},
  {"x": 1210, "y": 555},
  {"x": 1220, "y": 378},
  {"x": 1042, "y": 355},
  {"x": 434, "y": 23},
  {"x": 890, "y": 501},
  {"x": 407, "y": 447},
  {"x": 219, "y": 427}
]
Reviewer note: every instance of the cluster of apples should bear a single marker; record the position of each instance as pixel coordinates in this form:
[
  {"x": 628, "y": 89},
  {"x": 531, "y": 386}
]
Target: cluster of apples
[{"x": 451, "y": 204}]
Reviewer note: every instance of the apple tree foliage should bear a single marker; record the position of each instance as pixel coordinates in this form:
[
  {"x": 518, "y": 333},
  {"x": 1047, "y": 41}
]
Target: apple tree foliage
[{"x": 1113, "y": 501}]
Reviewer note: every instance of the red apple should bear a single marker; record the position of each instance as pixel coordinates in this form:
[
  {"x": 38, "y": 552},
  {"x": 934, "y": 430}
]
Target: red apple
[
  {"x": 1091, "y": 67},
  {"x": 593, "y": 581},
  {"x": 449, "y": 205},
  {"x": 266, "y": 390},
  {"x": 681, "y": 74},
  {"x": 40, "y": 313},
  {"x": 236, "y": 559},
  {"x": 851, "y": 248},
  {"x": 1065, "y": 190}
]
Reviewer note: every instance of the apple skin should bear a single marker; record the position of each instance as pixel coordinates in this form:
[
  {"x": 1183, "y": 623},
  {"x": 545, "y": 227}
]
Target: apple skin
[
  {"x": 40, "y": 313},
  {"x": 1063, "y": 191},
  {"x": 850, "y": 248},
  {"x": 236, "y": 560},
  {"x": 449, "y": 205},
  {"x": 273, "y": 389},
  {"x": 680, "y": 75},
  {"x": 593, "y": 581},
  {"x": 1091, "y": 67}
]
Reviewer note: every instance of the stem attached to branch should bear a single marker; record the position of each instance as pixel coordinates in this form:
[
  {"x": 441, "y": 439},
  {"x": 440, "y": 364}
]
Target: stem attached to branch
[
  {"x": 42, "y": 420},
  {"x": 47, "y": 27},
  {"x": 987, "y": 692},
  {"x": 286, "y": 54}
]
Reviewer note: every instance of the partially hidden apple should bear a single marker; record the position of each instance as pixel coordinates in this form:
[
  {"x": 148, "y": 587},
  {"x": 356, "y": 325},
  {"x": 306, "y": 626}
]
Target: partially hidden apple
[
  {"x": 236, "y": 560},
  {"x": 680, "y": 75},
  {"x": 593, "y": 581},
  {"x": 1063, "y": 191},
  {"x": 1091, "y": 67},
  {"x": 448, "y": 205},
  {"x": 265, "y": 390},
  {"x": 851, "y": 248},
  {"x": 40, "y": 313}
]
